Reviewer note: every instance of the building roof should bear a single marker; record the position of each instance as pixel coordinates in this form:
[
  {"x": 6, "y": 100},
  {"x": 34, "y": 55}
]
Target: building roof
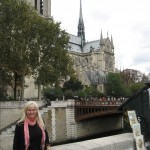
[
  {"x": 96, "y": 77},
  {"x": 92, "y": 45},
  {"x": 75, "y": 44}
]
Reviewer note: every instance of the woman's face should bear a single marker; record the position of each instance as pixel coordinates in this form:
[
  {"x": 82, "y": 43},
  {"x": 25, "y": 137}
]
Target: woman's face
[{"x": 31, "y": 112}]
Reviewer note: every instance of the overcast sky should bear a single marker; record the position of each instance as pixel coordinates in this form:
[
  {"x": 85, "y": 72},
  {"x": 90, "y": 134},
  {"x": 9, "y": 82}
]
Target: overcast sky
[{"x": 128, "y": 21}]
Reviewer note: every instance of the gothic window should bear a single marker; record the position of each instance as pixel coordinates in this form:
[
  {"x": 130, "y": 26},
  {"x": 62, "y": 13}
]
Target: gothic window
[
  {"x": 108, "y": 62},
  {"x": 18, "y": 93}
]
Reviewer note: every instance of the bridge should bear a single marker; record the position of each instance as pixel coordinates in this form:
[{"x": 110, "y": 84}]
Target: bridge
[{"x": 86, "y": 109}]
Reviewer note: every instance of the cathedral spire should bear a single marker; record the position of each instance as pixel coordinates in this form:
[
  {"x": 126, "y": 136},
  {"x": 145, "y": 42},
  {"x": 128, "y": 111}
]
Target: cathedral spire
[
  {"x": 112, "y": 44},
  {"x": 107, "y": 35},
  {"x": 101, "y": 38},
  {"x": 81, "y": 32}
]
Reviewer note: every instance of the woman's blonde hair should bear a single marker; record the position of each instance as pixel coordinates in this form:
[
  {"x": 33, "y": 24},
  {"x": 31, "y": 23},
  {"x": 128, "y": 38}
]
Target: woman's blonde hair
[{"x": 38, "y": 116}]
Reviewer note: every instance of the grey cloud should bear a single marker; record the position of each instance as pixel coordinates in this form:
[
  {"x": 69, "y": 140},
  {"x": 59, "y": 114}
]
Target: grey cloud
[
  {"x": 144, "y": 31},
  {"x": 141, "y": 58},
  {"x": 146, "y": 38}
]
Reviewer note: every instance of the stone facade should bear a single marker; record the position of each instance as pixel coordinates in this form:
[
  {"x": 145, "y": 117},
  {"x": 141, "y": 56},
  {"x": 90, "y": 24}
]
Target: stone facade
[
  {"x": 92, "y": 59},
  {"x": 30, "y": 90},
  {"x": 93, "y": 62},
  {"x": 43, "y": 7}
]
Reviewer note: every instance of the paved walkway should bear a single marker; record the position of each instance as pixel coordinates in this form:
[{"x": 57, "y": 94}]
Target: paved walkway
[{"x": 116, "y": 142}]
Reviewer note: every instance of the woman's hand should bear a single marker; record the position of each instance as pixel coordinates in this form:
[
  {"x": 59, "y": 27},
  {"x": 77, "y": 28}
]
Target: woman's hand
[{"x": 48, "y": 147}]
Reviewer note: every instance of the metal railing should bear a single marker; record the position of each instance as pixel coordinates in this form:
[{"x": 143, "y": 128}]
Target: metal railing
[{"x": 92, "y": 108}]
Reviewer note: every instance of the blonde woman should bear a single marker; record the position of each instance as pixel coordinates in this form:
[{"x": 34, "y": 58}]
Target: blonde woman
[{"x": 30, "y": 132}]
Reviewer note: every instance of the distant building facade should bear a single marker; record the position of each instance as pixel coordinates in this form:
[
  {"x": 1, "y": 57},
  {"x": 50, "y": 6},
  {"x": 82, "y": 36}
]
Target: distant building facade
[
  {"x": 92, "y": 60},
  {"x": 133, "y": 74}
]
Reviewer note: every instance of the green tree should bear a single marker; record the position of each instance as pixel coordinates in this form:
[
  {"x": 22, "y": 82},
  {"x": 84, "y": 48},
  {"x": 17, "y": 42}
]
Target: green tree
[
  {"x": 53, "y": 93},
  {"x": 5, "y": 78},
  {"x": 115, "y": 85},
  {"x": 9, "y": 79},
  {"x": 16, "y": 39},
  {"x": 69, "y": 94},
  {"x": 73, "y": 84},
  {"x": 32, "y": 45},
  {"x": 135, "y": 87},
  {"x": 91, "y": 91},
  {"x": 54, "y": 62}
]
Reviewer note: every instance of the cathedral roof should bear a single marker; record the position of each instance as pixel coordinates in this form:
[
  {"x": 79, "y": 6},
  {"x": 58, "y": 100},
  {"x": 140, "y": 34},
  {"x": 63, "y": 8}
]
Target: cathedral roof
[
  {"x": 92, "y": 45},
  {"x": 75, "y": 44},
  {"x": 96, "y": 77}
]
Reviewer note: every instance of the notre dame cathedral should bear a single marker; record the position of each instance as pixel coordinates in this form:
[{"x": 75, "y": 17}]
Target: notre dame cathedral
[{"x": 92, "y": 60}]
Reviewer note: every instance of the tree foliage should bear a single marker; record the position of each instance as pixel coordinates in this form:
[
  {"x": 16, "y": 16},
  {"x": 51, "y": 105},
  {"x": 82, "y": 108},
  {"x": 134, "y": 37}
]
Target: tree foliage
[
  {"x": 53, "y": 93},
  {"x": 15, "y": 38},
  {"x": 120, "y": 85},
  {"x": 31, "y": 44},
  {"x": 54, "y": 61},
  {"x": 115, "y": 85},
  {"x": 73, "y": 84},
  {"x": 135, "y": 87}
]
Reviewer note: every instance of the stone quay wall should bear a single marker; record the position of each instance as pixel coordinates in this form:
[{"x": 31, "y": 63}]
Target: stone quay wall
[{"x": 60, "y": 122}]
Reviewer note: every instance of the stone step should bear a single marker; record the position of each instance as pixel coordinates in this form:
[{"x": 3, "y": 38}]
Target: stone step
[{"x": 9, "y": 131}]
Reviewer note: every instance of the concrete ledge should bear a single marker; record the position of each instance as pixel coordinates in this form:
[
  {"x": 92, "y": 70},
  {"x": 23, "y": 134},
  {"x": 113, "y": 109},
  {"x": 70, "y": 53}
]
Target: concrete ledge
[
  {"x": 116, "y": 142},
  {"x": 16, "y": 104}
]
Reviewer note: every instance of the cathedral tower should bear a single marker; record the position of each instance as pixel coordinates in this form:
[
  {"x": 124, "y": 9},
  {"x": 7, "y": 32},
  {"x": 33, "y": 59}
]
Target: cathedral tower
[{"x": 43, "y": 7}]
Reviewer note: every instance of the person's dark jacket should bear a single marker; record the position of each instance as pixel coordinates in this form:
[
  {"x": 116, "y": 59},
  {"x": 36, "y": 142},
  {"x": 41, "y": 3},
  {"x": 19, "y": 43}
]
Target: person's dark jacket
[{"x": 35, "y": 134}]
